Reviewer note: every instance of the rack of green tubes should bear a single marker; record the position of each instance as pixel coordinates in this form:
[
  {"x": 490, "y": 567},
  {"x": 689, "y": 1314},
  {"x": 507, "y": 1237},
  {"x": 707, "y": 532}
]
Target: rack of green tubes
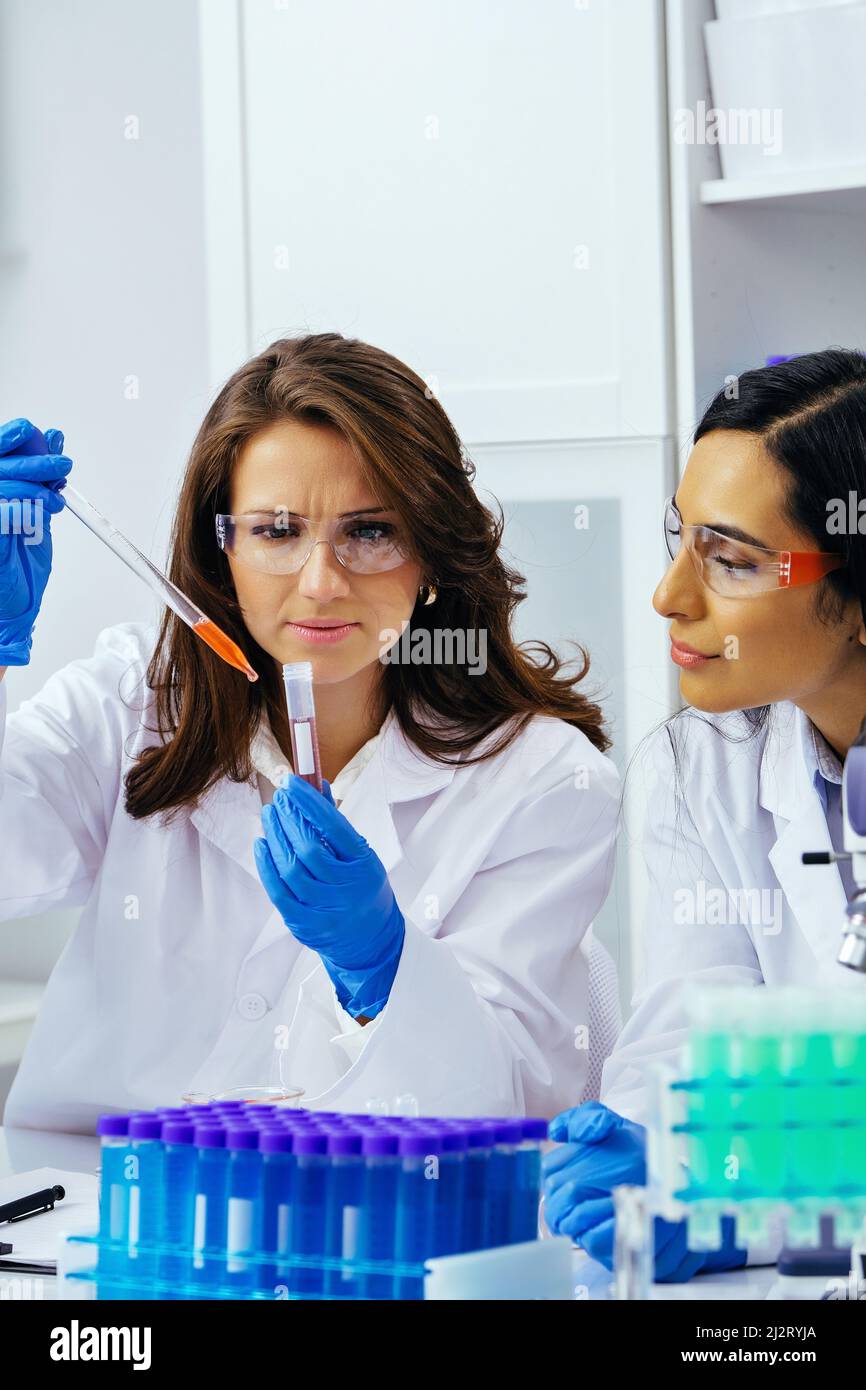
[
  {"x": 773, "y": 1098},
  {"x": 232, "y": 1200}
]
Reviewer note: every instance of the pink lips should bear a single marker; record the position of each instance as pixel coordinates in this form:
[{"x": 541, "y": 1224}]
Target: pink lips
[
  {"x": 322, "y": 630},
  {"x": 687, "y": 657}
]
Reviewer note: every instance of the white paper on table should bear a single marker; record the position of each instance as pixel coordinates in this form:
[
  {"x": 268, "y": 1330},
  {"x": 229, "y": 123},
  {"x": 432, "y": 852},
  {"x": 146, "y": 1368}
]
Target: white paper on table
[{"x": 36, "y": 1239}]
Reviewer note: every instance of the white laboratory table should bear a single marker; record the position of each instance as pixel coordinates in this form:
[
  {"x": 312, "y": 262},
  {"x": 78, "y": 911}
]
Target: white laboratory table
[{"x": 24, "y": 1149}]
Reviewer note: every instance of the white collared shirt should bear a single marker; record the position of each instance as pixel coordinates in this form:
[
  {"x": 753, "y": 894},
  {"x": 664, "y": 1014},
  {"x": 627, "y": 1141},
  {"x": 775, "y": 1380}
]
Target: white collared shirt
[
  {"x": 730, "y": 899},
  {"x": 270, "y": 762}
]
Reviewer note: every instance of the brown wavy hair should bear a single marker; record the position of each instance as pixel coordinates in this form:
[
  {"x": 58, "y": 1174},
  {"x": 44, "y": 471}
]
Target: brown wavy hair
[{"x": 412, "y": 457}]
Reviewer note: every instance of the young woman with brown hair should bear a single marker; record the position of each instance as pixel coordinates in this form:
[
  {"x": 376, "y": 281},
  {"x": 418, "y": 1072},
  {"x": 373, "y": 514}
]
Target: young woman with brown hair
[{"x": 423, "y": 929}]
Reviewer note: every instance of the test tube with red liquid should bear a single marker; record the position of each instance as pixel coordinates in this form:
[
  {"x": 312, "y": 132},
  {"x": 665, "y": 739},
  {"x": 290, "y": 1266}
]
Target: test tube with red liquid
[{"x": 298, "y": 678}]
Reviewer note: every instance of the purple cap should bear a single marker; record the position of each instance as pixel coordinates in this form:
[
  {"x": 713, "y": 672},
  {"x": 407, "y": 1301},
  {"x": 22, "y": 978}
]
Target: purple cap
[
  {"x": 145, "y": 1126},
  {"x": 172, "y": 1111},
  {"x": 307, "y": 1141},
  {"x": 378, "y": 1142},
  {"x": 113, "y": 1125},
  {"x": 225, "y": 1106},
  {"x": 178, "y": 1131},
  {"x": 478, "y": 1135},
  {"x": 210, "y": 1136},
  {"x": 453, "y": 1139},
  {"x": 275, "y": 1141},
  {"x": 535, "y": 1128},
  {"x": 240, "y": 1136},
  {"x": 503, "y": 1131},
  {"x": 418, "y": 1143},
  {"x": 343, "y": 1141}
]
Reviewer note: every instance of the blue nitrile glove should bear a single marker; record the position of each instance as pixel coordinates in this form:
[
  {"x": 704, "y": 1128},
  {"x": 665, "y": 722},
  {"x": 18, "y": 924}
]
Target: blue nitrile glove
[
  {"x": 333, "y": 893},
  {"x": 599, "y": 1151},
  {"x": 30, "y": 472}
]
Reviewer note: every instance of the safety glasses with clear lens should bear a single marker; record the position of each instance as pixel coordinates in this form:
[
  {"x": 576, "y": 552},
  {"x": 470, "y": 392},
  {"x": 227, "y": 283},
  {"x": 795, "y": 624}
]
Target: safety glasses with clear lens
[
  {"x": 734, "y": 569},
  {"x": 282, "y": 542}
]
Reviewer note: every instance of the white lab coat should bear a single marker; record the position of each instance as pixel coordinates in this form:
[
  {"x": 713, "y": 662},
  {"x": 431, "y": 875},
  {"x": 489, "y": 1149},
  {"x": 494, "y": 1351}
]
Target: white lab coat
[
  {"x": 181, "y": 976},
  {"x": 745, "y": 812}
]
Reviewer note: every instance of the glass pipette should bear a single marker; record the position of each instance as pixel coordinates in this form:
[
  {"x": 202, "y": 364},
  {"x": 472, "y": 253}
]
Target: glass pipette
[
  {"x": 170, "y": 594},
  {"x": 154, "y": 578}
]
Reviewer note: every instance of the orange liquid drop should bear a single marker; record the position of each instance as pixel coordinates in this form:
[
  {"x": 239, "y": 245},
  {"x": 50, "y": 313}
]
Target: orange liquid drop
[{"x": 223, "y": 645}]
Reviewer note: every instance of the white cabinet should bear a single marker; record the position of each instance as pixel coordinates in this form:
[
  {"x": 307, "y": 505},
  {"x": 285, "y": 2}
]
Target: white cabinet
[
  {"x": 479, "y": 188},
  {"x": 482, "y": 190}
]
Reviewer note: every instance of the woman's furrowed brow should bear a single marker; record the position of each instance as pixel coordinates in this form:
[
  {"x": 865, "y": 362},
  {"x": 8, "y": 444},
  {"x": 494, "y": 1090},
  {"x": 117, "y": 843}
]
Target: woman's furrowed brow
[
  {"x": 268, "y": 509},
  {"x": 732, "y": 533}
]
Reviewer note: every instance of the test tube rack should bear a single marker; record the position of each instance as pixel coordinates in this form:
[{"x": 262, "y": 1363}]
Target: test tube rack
[
  {"x": 235, "y": 1201},
  {"x": 764, "y": 1117}
]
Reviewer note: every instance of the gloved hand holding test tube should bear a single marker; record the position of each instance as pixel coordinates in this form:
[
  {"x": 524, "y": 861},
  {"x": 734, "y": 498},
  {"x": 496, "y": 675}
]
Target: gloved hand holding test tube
[
  {"x": 327, "y": 882},
  {"x": 131, "y": 556}
]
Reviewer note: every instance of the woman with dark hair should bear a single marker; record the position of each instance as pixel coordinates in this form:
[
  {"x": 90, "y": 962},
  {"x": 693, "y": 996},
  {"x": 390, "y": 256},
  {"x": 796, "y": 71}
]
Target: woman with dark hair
[
  {"x": 418, "y": 934},
  {"x": 766, "y": 600}
]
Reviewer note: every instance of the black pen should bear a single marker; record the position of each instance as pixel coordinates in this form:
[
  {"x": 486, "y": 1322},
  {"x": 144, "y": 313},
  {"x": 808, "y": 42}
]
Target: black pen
[{"x": 32, "y": 1205}]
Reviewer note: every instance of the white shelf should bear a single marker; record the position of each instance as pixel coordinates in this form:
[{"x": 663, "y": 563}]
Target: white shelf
[
  {"x": 771, "y": 263},
  {"x": 809, "y": 187}
]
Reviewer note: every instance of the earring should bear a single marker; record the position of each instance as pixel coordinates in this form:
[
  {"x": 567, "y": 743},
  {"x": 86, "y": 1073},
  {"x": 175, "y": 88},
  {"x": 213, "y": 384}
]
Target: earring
[{"x": 430, "y": 591}]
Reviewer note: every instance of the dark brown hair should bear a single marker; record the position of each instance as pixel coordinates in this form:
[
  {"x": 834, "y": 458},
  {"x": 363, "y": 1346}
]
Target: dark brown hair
[{"x": 411, "y": 455}]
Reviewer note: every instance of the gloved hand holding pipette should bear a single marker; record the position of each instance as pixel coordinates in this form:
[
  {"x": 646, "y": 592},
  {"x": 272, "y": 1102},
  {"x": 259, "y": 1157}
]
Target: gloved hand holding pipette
[
  {"x": 333, "y": 893},
  {"x": 33, "y": 460},
  {"x": 600, "y": 1150},
  {"x": 29, "y": 497}
]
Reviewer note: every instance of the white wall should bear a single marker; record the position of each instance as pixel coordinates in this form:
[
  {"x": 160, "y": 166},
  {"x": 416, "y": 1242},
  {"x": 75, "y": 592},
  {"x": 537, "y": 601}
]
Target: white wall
[{"x": 101, "y": 278}]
